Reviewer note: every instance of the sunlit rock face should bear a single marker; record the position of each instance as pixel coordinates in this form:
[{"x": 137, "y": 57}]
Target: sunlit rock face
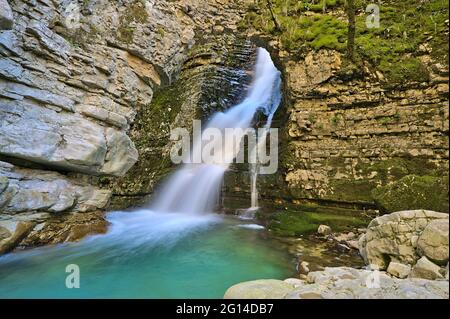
[{"x": 73, "y": 77}]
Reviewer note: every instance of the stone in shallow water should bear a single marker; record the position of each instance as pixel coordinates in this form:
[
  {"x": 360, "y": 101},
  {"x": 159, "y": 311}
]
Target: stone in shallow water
[{"x": 259, "y": 289}]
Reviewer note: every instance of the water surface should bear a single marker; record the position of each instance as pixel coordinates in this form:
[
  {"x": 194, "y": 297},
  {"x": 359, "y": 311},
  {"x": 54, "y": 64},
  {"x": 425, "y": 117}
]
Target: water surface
[{"x": 149, "y": 255}]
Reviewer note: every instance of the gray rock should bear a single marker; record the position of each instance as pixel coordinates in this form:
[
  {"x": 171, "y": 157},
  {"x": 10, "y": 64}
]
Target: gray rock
[
  {"x": 3, "y": 183},
  {"x": 121, "y": 154},
  {"x": 394, "y": 237},
  {"x": 433, "y": 242},
  {"x": 64, "y": 140},
  {"x": 6, "y": 16},
  {"x": 296, "y": 282},
  {"x": 398, "y": 270},
  {"x": 259, "y": 289},
  {"x": 347, "y": 283},
  {"x": 34, "y": 190},
  {"x": 426, "y": 269}
]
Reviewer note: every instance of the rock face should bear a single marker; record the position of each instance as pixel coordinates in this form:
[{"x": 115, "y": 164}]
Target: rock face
[
  {"x": 394, "y": 237},
  {"x": 426, "y": 269},
  {"x": 347, "y": 135},
  {"x": 398, "y": 270},
  {"x": 40, "y": 198},
  {"x": 73, "y": 76},
  {"x": 433, "y": 242},
  {"x": 353, "y": 139},
  {"x": 342, "y": 282},
  {"x": 6, "y": 15},
  {"x": 42, "y": 191}
]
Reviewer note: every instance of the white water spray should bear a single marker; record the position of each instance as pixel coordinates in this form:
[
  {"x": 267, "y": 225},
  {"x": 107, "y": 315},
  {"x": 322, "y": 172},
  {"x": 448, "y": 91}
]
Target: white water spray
[{"x": 195, "y": 188}]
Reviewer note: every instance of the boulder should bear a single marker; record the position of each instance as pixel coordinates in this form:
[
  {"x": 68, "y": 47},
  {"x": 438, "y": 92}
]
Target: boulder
[
  {"x": 6, "y": 16},
  {"x": 394, "y": 237},
  {"x": 426, "y": 269},
  {"x": 324, "y": 230},
  {"x": 433, "y": 242},
  {"x": 344, "y": 283},
  {"x": 398, "y": 270},
  {"x": 259, "y": 289}
]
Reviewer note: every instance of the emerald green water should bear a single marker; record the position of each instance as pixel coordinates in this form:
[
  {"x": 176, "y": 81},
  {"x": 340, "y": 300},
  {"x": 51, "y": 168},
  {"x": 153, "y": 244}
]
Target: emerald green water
[{"x": 149, "y": 255}]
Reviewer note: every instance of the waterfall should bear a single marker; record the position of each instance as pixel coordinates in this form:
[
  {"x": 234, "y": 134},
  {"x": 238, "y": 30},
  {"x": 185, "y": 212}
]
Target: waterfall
[{"x": 195, "y": 187}]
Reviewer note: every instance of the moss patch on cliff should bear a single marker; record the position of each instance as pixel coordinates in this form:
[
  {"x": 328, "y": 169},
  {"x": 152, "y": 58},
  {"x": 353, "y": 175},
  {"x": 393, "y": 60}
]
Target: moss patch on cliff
[
  {"x": 296, "y": 223},
  {"x": 398, "y": 167},
  {"x": 349, "y": 190},
  {"x": 414, "y": 192},
  {"x": 150, "y": 134},
  {"x": 134, "y": 13},
  {"x": 392, "y": 48}
]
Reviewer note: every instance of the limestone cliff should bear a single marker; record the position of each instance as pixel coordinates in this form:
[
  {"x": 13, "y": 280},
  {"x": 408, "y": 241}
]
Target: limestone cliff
[{"x": 367, "y": 132}]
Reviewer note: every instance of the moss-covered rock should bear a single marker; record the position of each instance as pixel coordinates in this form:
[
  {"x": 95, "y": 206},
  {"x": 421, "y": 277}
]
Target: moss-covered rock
[
  {"x": 306, "y": 221},
  {"x": 414, "y": 192}
]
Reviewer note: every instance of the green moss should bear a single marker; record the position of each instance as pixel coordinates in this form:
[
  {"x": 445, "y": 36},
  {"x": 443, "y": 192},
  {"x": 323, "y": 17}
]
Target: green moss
[
  {"x": 414, "y": 192},
  {"x": 160, "y": 30},
  {"x": 398, "y": 71},
  {"x": 134, "y": 13},
  {"x": 351, "y": 190},
  {"x": 296, "y": 223},
  {"x": 404, "y": 27},
  {"x": 398, "y": 167},
  {"x": 391, "y": 49},
  {"x": 389, "y": 119},
  {"x": 335, "y": 120}
]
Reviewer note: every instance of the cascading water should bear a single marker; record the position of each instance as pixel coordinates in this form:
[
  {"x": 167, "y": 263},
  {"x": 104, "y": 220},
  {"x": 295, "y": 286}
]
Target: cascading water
[
  {"x": 142, "y": 254},
  {"x": 195, "y": 188}
]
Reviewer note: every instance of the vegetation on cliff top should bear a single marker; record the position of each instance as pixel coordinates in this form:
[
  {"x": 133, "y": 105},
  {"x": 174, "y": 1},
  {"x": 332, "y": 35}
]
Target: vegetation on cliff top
[{"x": 392, "y": 48}]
